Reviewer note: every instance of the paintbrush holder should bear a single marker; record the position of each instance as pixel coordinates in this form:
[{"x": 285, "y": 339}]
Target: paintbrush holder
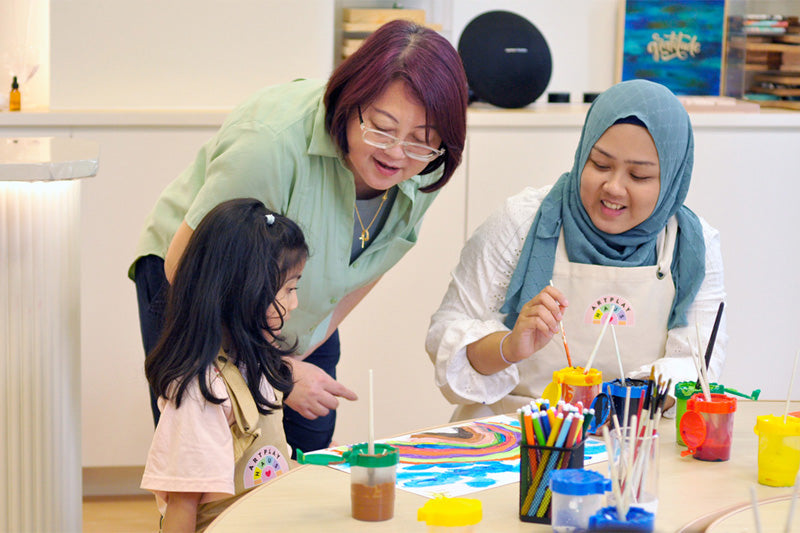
[
  {"x": 537, "y": 463},
  {"x": 636, "y": 466}
]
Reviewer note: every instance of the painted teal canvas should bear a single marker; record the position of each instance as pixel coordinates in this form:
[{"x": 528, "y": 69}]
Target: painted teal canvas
[{"x": 679, "y": 44}]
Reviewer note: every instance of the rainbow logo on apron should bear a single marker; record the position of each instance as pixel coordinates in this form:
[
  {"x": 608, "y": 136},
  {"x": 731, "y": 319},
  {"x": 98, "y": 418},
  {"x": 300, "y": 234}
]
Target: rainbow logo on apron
[
  {"x": 266, "y": 464},
  {"x": 621, "y": 309}
]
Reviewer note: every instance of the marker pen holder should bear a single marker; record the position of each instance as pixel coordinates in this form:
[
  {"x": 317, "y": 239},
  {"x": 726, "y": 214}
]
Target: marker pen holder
[
  {"x": 778, "y": 450},
  {"x": 577, "y": 386},
  {"x": 537, "y": 463},
  {"x": 683, "y": 391},
  {"x": 707, "y": 427},
  {"x": 636, "y": 519}
]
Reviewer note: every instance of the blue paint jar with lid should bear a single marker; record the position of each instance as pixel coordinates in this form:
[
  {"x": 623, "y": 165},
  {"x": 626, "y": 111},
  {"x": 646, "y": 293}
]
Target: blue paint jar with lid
[{"x": 577, "y": 495}]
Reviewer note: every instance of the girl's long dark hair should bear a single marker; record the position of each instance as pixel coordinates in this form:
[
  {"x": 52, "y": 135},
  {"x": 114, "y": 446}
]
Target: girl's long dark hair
[{"x": 229, "y": 274}]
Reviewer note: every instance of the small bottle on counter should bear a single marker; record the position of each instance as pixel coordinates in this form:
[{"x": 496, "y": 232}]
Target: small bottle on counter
[{"x": 14, "y": 99}]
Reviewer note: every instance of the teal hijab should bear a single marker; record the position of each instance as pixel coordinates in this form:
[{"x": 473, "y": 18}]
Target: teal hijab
[{"x": 668, "y": 123}]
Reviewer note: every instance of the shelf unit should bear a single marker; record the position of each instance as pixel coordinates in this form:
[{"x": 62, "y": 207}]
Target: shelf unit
[
  {"x": 357, "y": 24},
  {"x": 772, "y": 66}
]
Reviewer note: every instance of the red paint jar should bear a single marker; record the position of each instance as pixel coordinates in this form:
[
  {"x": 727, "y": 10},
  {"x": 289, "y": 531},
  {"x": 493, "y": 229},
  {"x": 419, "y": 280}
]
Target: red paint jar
[{"x": 707, "y": 426}]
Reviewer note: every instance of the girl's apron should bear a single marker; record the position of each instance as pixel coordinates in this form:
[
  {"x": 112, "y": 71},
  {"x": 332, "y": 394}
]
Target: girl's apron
[
  {"x": 260, "y": 450},
  {"x": 640, "y": 300}
]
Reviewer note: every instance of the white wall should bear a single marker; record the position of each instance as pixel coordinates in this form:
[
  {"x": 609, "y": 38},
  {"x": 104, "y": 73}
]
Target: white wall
[
  {"x": 184, "y": 54},
  {"x": 25, "y": 51}
]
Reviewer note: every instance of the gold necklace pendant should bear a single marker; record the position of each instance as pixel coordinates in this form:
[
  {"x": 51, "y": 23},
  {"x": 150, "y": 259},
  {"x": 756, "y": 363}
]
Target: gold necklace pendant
[{"x": 364, "y": 238}]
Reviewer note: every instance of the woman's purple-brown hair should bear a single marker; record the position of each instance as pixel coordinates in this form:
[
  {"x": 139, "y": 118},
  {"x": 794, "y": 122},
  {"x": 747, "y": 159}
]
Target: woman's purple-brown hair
[{"x": 433, "y": 72}]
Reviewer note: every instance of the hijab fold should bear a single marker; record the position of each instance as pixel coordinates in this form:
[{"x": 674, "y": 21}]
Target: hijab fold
[{"x": 668, "y": 123}]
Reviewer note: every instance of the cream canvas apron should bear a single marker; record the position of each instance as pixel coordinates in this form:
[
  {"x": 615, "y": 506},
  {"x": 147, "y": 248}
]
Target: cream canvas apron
[
  {"x": 640, "y": 300},
  {"x": 259, "y": 443}
]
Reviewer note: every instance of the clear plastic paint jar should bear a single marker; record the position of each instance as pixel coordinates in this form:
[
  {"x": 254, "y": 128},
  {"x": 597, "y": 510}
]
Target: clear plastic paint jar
[
  {"x": 577, "y": 386},
  {"x": 638, "y": 473},
  {"x": 577, "y": 495},
  {"x": 778, "y": 450},
  {"x": 451, "y": 515},
  {"x": 683, "y": 391},
  {"x": 372, "y": 481},
  {"x": 707, "y": 427}
]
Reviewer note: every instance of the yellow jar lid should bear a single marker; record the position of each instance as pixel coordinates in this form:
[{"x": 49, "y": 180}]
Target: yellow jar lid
[
  {"x": 575, "y": 376},
  {"x": 451, "y": 512},
  {"x": 774, "y": 425}
]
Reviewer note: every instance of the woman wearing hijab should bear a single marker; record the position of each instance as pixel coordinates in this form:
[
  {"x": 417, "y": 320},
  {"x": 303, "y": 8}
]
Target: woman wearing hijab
[{"x": 610, "y": 237}]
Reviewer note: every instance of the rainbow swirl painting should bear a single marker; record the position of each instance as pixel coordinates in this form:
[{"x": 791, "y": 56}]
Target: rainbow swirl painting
[{"x": 477, "y": 441}]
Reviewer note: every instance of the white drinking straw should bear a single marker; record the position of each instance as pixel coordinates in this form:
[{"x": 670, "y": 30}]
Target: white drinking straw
[
  {"x": 606, "y": 322},
  {"x": 621, "y": 513},
  {"x": 626, "y": 412},
  {"x": 754, "y": 500},
  {"x": 371, "y": 443},
  {"x": 791, "y": 382},
  {"x": 788, "y": 528},
  {"x": 619, "y": 357}
]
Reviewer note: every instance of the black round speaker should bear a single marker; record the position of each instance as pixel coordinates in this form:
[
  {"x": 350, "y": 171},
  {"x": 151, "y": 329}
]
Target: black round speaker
[{"x": 506, "y": 59}]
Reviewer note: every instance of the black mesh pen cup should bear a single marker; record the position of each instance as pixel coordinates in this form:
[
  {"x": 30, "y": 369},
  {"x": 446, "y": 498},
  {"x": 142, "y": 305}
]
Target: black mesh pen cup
[{"x": 536, "y": 465}]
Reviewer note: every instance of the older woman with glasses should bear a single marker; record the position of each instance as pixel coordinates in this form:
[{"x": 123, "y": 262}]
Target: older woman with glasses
[{"x": 356, "y": 161}]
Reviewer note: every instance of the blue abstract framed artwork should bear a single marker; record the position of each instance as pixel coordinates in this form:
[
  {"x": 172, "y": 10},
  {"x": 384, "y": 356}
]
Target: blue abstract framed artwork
[{"x": 680, "y": 44}]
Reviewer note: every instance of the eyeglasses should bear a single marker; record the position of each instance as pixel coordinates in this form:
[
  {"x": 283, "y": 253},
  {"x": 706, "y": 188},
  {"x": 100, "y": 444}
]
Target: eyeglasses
[{"x": 384, "y": 141}]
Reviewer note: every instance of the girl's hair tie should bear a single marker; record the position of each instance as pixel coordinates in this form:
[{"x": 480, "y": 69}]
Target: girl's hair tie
[{"x": 270, "y": 219}]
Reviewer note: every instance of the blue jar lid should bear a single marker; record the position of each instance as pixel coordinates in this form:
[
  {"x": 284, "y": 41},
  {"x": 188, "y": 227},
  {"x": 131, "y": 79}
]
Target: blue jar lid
[
  {"x": 616, "y": 388},
  {"x": 578, "y": 482},
  {"x": 637, "y": 519}
]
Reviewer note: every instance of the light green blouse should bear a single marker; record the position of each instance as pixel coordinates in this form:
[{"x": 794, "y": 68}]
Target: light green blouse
[{"x": 274, "y": 147}]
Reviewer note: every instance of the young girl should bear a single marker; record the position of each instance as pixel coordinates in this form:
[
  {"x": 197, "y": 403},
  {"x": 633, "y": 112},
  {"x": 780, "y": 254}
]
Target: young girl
[{"x": 217, "y": 368}]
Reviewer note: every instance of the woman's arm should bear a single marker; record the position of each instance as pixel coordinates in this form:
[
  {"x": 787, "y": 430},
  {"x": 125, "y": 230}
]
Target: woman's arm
[
  {"x": 315, "y": 393},
  {"x": 538, "y": 321},
  {"x": 176, "y": 248},
  {"x": 181, "y": 515},
  {"x": 469, "y": 317}
]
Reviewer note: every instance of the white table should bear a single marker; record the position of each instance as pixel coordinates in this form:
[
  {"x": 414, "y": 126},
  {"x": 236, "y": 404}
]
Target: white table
[
  {"x": 692, "y": 493},
  {"x": 40, "y": 439}
]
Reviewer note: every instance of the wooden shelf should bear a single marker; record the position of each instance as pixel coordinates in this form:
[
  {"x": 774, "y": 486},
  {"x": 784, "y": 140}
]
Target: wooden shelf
[
  {"x": 358, "y": 23},
  {"x": 779, "y": 91},
  {"x": 784, "y": 78},
  {"x": 369, "y": 27},
  {"x": 771, "y": 47},
  {"x": 767, "y": 55}
]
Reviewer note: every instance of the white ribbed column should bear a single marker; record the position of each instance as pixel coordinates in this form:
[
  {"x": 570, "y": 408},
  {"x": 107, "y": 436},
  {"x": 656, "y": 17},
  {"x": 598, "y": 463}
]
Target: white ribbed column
[
  {"x": 40, "y": 361},
  {"x": 40, "y": 434}
]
